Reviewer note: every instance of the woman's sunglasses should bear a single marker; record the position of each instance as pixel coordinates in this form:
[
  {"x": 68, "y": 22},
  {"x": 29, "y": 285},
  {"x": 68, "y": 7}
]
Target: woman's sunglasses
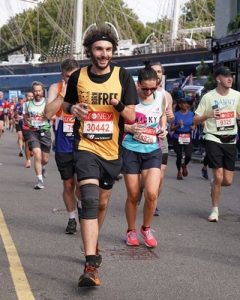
[{"x": 149, "y": 89}]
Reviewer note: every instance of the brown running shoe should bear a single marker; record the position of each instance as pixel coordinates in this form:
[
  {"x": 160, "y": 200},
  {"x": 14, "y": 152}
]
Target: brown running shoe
[{"x": 90, "y": 277}]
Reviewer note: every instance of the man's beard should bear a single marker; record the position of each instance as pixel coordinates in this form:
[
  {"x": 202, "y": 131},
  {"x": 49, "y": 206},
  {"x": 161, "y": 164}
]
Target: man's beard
[{"x": 99, "y": 66}]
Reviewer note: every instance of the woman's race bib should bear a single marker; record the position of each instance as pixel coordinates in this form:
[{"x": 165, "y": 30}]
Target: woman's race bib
[
  {"x": 148, "y": 136},
  {"x": 184, "y": 138}
]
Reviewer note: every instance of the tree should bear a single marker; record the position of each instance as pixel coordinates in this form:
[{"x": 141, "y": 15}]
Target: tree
[
  {"x": 198, "y": 13},
  {"x": 234, "y": 26},
  {"x": 50, "y": 26}
]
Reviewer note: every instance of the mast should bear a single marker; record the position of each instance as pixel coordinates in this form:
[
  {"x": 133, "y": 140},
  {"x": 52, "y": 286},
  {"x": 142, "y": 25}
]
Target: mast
[
  {"x": 176, "y": 14},
  {"x": 78, "y": 28}
]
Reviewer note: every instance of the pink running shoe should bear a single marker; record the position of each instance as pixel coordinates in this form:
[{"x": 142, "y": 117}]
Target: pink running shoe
[
  {"x": 148, "y": 237},
  {"x": 132, "y": 239}
]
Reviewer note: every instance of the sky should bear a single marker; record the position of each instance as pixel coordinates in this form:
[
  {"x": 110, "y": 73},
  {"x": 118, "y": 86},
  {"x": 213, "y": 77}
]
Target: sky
[{"x": 147, "y": 10}]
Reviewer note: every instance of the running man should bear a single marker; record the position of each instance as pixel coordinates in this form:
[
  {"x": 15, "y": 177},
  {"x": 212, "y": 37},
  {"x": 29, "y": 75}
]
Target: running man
[
  {"x": 101, "y": 96},
  {"x": 218, "y": 110},
  {"x": 64, "y": 139},
  {"x": 18, "y": 120},
  {"x": 28, "y": 153},
  {"x": 36, "y": 130}
]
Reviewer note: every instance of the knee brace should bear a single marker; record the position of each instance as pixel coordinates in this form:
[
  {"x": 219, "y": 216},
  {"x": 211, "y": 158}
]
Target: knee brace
[{"x": 90, "y": 201}]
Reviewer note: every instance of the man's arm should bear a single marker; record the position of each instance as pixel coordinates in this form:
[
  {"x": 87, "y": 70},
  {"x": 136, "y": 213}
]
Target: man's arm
[
  {"x": 169, "y": 106},
  {"x": 55, "y": 100},
  {"x": 126, "y": 111},
  {"x": 203, "y": 113},
  {"x": 200, "y": 119}
]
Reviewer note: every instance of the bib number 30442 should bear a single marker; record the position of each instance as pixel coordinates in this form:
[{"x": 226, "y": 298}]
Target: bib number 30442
[{"x": 98, "y": 126}]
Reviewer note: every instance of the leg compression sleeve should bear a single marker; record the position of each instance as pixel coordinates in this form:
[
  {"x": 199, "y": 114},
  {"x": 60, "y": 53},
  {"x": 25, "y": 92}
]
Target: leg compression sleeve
[{"x": 90, "y": 201}]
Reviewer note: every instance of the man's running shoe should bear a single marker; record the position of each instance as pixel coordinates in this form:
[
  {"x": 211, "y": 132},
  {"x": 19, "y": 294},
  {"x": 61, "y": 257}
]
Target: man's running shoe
[
  {"x": 90, "y": 277},
  {"x": 213, "y": 217},
  {"x": 71, "y": 227},
  {"x": 39, "y": 185},
  {"x": 157, "y": 212},
  {"x": 44, "y": 172},
  {"x": 20, "y": 154},
  {"x": 179, "y": 175},
  {"x": 204, "y": 173},
  {"x": 184, "y": 171},
  {"x": 131, "y": 238},
  {"x": 148, "y": 237}
]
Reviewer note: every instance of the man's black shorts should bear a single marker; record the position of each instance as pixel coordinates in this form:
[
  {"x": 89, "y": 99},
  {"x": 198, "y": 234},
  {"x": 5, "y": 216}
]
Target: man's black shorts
[
  {"x": 221, "y": 155},
  {"x": 65, "y": 164},
  {"x": 91, "y": 166}
]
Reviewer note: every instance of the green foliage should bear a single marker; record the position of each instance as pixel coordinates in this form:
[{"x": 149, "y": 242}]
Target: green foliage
[
  {"x": 199, "y": 12},
  {"x": 51, "y": 25},
  {"x": 234, "y": 25},
  {"x": 210, "y": 84},
  {"x": 204, "y": 70}
]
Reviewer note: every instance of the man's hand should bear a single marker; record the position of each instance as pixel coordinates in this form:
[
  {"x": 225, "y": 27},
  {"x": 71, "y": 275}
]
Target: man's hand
[{"x": 79, "y": 110}]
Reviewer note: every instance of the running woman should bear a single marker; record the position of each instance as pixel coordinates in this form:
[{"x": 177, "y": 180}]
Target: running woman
[
  {"x": 142, "y": 155},
  {"x": 182, "y": 141}
]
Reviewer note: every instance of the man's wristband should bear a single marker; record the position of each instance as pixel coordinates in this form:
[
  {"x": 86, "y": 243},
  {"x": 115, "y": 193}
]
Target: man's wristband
[
  {"x": 69, "y": 109},
  {"x": 119, "y": 107},
  {"x": 61, "y": 94}
]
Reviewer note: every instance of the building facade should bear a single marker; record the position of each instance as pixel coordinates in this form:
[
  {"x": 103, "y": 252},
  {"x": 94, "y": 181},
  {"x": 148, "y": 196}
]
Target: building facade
[{"x": 226, "y": 46}]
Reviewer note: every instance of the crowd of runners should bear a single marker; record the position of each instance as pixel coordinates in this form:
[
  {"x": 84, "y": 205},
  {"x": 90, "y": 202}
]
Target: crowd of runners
[{"x": 100, "y": 123}]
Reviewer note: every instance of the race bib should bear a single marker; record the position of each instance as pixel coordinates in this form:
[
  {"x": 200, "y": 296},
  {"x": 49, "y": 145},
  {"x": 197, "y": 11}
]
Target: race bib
[
  {"x": 68, "y": 122},
  {"x": 148, "y": 136},
  {"x": 98, "y": 126},
  {"x": 37, "y": 122},
  {"x": 184, "y": 138},
  {"x": 226, "y": 121}
]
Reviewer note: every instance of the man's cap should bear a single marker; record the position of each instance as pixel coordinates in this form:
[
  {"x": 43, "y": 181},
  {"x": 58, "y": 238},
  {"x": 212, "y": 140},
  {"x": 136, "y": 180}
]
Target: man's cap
[
  {"x": 224, "y": 71},
  {"x": 21, "y": 96}
]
